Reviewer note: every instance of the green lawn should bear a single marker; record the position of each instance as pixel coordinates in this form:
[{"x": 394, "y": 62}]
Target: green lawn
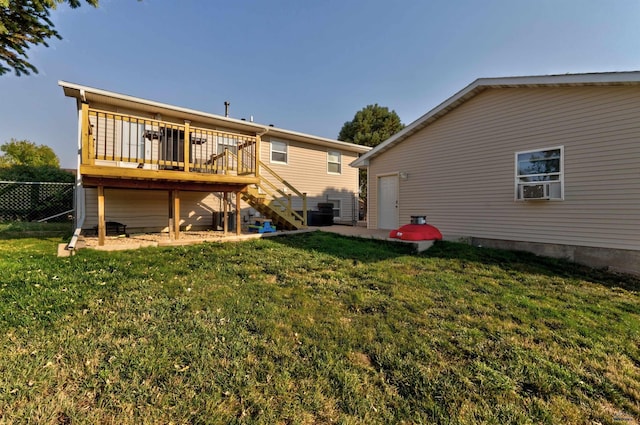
[{"x": 313, "y": 328}]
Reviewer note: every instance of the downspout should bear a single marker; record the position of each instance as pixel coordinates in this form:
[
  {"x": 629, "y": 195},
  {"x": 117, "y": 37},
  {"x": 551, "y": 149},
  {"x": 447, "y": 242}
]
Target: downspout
[{"x": 79, "y": 198}]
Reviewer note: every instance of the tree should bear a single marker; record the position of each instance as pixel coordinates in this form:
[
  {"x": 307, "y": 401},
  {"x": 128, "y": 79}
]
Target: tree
[
  {"x": 24, "y": 152},
  {"x": 370, "y": 126},
  {"x": 45, "y": 173},
  {"x": 23, "y": 24},
  {"x": 24, "y": 161}
]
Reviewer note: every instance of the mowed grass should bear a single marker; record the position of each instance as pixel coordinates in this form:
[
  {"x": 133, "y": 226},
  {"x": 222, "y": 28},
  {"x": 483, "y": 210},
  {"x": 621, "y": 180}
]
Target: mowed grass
[{"x": 313, "y": 328}]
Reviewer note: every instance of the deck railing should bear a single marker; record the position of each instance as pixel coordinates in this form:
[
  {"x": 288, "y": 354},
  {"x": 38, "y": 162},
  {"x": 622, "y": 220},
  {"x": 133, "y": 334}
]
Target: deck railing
[{"x": 122, "y": 140}]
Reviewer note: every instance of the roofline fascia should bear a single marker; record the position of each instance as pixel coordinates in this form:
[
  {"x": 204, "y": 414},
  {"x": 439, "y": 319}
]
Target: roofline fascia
[
  {"x": 260, "y": 128},
  {"x": 147, "y": 102},
  {"x": 480, "y": 84}
]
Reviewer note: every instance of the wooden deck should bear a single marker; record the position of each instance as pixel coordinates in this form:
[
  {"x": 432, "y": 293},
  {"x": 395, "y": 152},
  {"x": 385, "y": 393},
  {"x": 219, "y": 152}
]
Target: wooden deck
[{"x": 126, "y": 151}]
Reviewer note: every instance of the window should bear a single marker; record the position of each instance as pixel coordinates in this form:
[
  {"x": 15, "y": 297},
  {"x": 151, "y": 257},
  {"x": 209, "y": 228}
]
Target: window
[
  {"x": 336, "y": 207},
  {"x": 226, "y": 142},
  {"x": 133, "y": 141},
  {"x": 540, "y": 174},
  {"x": 333, "y": 162},
  {"x": 279, "y": 152}
]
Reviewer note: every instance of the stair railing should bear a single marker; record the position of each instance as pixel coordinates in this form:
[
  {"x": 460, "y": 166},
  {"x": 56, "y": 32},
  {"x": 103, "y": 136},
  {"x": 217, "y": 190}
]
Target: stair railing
[{"x": 266, "y": 182}]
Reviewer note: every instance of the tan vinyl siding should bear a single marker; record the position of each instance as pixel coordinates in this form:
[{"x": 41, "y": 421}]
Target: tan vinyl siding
[
  {"x": 461, "y": 168},
  {"x": 149, "y": 209},
  {"x": 306, "y": 170}
]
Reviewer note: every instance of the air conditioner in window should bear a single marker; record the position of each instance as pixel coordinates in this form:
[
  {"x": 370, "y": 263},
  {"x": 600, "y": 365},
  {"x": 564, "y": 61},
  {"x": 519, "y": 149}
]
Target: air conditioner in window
[{"x": 534, "y": 191}]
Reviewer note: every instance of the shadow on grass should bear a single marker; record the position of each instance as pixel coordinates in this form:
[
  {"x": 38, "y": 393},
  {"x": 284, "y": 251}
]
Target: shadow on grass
[
  {"x": 38, "y": 234},
  {"x": 369, "y": 251},
  {"x": 26, "y": 229},
  {"x": 522, "y": 261},
  {"x": 346, "y": 247}
]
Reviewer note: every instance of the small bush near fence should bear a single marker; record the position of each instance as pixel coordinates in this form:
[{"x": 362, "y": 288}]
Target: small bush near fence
[{"x": 36, "y": 201}]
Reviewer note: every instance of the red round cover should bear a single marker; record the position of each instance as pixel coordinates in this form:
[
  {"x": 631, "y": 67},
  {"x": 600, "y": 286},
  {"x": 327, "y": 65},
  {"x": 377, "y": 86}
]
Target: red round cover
[{"x": 417, "y": 232}]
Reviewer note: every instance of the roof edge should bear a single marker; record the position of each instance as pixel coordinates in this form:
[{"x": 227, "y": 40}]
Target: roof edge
[
  {"x": 70, "y": 88},
  {"x": 67, "y": 85},
  {"x": 481, "y": 84}
]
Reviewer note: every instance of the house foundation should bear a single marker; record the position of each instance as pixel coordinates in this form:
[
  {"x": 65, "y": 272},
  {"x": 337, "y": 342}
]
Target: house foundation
[{"x": 617, "y": 260}]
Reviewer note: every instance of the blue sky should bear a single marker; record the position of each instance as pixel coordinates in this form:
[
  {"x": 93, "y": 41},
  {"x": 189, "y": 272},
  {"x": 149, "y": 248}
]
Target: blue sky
[{"x": 303, "y": 65}]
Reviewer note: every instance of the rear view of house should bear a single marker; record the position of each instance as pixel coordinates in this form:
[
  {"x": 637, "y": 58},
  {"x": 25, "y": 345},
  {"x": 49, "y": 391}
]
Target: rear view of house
[
  {"x": 549, "y": 164},
  {"x": 158, "y": 167}
]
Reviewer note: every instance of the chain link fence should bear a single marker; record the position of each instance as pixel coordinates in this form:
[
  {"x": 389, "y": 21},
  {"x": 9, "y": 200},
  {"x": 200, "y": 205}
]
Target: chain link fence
[{"x": 36, "y": 201}]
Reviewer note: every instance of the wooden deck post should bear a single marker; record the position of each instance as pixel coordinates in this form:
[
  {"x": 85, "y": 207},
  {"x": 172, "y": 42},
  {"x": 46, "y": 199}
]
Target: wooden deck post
[
  {"x": 187, "y": 145},
  {"x": 102, "y": 230},
  {"x": 256, "y": 157},
  {"x": 304, "y": 208},
  {"x": 225, "y": 217},
  {"x": 175, "y": 194},
  {"x": 87, "y": 147},
  {"x": 238, "y": 218},
  {"x": 170, "y": 225}
]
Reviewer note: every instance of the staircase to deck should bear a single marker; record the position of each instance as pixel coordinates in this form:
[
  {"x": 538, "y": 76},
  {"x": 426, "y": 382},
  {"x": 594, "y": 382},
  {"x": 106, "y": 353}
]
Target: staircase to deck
[{"x": 277, "y": 203}]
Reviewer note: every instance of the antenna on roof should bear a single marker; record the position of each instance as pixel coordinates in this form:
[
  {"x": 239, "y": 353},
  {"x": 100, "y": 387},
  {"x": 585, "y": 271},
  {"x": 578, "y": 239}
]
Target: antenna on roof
[{"x": 226, "y": 108}]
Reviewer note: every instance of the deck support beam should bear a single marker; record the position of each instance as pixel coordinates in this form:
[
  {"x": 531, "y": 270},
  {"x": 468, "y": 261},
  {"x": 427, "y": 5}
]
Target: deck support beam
[
  {"x": 238, "y": 218},
  {"x": 225, "y": 213},
  {"x": 174, "y": 214},
  {"x": 304, "y": 209},
  {"x": 102, "y": 229},
  {"x": 120, "y": 183}
]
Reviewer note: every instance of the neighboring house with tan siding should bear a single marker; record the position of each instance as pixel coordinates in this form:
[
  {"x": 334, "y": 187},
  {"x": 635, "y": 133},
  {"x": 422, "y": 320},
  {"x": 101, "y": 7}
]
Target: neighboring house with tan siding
[
  {"x": 548, "y": 164},
  {"x": 136, "y": 169}
]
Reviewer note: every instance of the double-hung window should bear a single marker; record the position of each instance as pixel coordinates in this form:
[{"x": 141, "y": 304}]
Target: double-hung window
[
  {"x": 334, "y": 162},
  {"x": 540, "y": 174},
  {"x": 279, "y": 152}
]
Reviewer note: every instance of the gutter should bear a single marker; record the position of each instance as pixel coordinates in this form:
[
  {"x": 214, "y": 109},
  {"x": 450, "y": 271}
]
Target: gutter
[
  {"x": 79, "y": 192},
  {"x": 79, "y": 220}
]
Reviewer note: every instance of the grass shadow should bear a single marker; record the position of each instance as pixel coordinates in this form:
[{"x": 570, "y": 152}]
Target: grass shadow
[
  {"x": 346, "y": 247},
  {"x": 521, "y": 261},
  {"x": 38, "y": 234},
  {"x": 370, "y": 250},
  {"x": 25, "y": 229}
]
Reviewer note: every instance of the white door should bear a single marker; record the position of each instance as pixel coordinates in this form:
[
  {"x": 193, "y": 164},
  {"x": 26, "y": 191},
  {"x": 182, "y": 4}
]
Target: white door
[{"x": 388, "y": 202}]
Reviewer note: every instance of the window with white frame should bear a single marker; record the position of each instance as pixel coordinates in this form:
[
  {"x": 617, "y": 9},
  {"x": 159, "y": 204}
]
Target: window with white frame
[
  {"x": 334, "y": 159},
  {"x": 226, "y": 142},
  {"x": 336, "y": 207},
  {"x": 133, "y": 141},
  {"x": 540, "y": 174},
  {"x": 279, "y": 152}
]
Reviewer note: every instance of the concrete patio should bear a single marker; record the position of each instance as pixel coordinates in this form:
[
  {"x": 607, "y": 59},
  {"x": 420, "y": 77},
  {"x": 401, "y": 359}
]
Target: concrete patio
[{"x": 134, "y": 241}]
